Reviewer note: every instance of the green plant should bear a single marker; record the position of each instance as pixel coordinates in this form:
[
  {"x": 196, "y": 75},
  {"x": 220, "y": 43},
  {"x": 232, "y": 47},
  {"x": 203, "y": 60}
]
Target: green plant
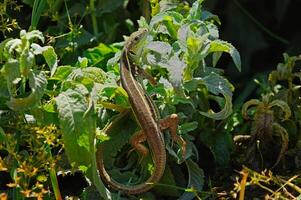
[
  {"x": 23, "y": 83},
  {"x": 182, "y": 54}
]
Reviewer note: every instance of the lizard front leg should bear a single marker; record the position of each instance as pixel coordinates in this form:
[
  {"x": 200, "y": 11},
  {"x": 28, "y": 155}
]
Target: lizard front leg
[{"x": 171, "y": 123}]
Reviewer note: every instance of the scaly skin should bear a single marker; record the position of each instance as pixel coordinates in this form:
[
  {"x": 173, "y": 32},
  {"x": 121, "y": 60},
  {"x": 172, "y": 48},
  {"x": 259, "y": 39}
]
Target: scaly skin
[{"x": 147, "y": 118}]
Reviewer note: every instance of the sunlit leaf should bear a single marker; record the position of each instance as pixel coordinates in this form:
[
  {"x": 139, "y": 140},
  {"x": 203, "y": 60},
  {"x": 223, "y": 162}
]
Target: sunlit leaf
[
  {"x": 12, "y": 45},
  {"x": 176, "y": 18},
  {"x": 195, "y": 10},
  {"x": 49, "y": 55},
  {"x": 162, "y": 48},
  {"x": 35, "y": 34},
  {"x": 98, "y": 56},
  {"x": 222, "y": 46},
  {"x": 63, "y": 72}
]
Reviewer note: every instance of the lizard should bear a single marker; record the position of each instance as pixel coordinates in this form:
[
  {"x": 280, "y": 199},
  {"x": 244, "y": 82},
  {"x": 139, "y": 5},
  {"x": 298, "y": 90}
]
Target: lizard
[{"x": 147, "y": 117}]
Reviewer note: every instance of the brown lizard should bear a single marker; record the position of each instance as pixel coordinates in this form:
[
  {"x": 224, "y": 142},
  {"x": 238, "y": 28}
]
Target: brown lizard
[{"x": 147, "y": 117}]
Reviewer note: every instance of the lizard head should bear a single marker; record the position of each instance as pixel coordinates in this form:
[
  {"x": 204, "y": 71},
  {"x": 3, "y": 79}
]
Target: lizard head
[{"x": 134, "y": 44}]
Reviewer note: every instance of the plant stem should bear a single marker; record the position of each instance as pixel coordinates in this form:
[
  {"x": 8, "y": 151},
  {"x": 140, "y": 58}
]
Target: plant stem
[
  {"x": 93, "y": 17},
  {"x": 55, "y": 184},
  {"x": 289, "y": 183},
  {"x": 53, "y": 178},
  {"x": 243, "y": 184}
]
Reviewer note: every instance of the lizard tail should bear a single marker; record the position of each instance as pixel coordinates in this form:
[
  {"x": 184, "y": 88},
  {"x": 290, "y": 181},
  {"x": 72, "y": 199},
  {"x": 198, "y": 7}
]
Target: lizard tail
[{"x": 130, "y": 189}]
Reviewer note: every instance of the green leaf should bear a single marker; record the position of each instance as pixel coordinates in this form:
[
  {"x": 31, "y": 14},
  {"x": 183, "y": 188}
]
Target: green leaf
[
  {"x": 181, "y": 99},
  {"x": 2, "y": 136},
  {"x": 215, "y": 58},
  {"x": 197, "y": 50},
  {"x": 46, "y": 115},
  {"x": 195, "y": 11},
  {"x": 63, "y": 72},
  {"x": 213, "y": 31},
  {"x": 98, "y": 56},
  {"x": 27, "y": 61},
  {"x": 216, "y": 84},
  {"x": 206, "y": 16},
  {"x": 221, "y": 145},
  {"x": 78, "y": 124},
  {"x": 161, "y": 17},
  {"x": 11, "y": 72},
  {"x": 182, "y": 36},
  {"x": 49, "y": 55},
  {"x": 188, "y": 126},
  {"x": 159, "y": 54},
  {"x": 166, "y": 5},
  {"x": 114, "y": 60},
  {"x": 162, "y": 48},
  {"x": 35, "y": 34},
  {"x": 222, "y": 46},
  {"x": 142, "y": 23},
  {"x": 3, "y": 56},
  {"x": 175, "y": 67},
  {"x": 11, "y": 45},
  {"x": 38, "y": 8},
  {"x": 37, "y": 83},
  {"x": 51, "y": 59},
  {"x": 82, "y": 62},
  {"x": 71, "y": 106},
  {"x": 222, "y": 150},
  {"x": 95, "y": 74},
  {"x": 87, "y": 76},
  {"x": 195, "y": 182}
]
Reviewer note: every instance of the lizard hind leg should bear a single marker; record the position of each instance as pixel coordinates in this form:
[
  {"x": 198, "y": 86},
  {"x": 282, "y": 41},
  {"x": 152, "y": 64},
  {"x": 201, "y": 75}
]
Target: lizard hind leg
[{"x": 171, "y": 123}]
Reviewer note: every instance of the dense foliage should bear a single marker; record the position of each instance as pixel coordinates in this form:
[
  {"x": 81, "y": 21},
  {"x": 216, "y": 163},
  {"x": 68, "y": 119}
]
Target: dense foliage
[{"x": 60, "y": 99}]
